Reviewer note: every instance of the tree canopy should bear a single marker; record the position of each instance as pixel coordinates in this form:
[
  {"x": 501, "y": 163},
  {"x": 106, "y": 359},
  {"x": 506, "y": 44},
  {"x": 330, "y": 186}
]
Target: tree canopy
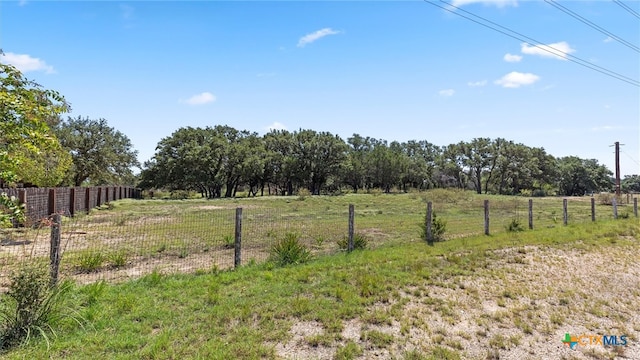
[
  {"x": 27, "y": 145},
  {"x": 100, "y": 154}
]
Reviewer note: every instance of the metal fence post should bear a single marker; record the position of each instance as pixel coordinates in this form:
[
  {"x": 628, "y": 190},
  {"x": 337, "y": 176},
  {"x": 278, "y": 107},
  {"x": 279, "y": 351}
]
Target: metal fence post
[
  {"x": 429, "y": 222},
  {"x": 237, "y": 260},
  {"x": 565, "y": 214},
  {"x": 593, "y": 209},
  {"x": 530, "y": 214},
  {"x": 351, "y": 228}
]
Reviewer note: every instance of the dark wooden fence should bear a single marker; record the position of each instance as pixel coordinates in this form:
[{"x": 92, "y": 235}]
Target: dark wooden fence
[{"x": 40, "y": 203}]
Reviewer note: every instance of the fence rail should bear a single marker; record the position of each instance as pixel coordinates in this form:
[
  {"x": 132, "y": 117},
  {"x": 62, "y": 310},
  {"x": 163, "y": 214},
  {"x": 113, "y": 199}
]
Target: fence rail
[
  {"x": 134, "y": 238},
  {"x": 42, "y": 202}
]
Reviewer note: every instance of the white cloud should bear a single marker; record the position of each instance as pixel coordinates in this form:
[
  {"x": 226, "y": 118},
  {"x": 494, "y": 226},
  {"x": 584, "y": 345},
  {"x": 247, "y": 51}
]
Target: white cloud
[
  {"x": 558, "y": 50},
  {"x": 477, "y": 83},
  {"x": 516, "y": 79},
  {"x": 608, "y": 39},
  {"x": 276, "y": 126},
  {"x": 446, "y": 92},
  {"x": 309, "y": 38},
  {"x": 498, "y": 3},
  {"x": 512, "y": 58},
  {"x": 201, "y": 99},
  {"x": 26, "y": 63}
]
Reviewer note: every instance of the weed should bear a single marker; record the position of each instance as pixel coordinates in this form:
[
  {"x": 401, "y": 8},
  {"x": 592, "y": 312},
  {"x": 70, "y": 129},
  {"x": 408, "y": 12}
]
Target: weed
[
  {"x": 118, "y": 259},
  {"x": 289, "y": 250},
  {"x": 90, "y": 261},
  {"x": 360, "y": 241},
  {"x": 303, "y": 194},
  {"x": 442, "y": 353},
  {"x": 228, "y": 242},
  {"x": 515, "y": 225},
  {"x": 377, "y": 338},
  {"x": 30, "y": 306},
  {"x": 349, "y": 351}
]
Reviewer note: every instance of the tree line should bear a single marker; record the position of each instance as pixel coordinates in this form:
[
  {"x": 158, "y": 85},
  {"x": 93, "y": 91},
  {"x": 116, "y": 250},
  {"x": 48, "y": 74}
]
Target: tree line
[{"x": 219, "y": 161}]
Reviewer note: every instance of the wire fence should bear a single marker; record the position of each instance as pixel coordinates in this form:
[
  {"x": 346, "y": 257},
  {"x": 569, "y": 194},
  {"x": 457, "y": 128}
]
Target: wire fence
[{"x": 115, "y": 243}]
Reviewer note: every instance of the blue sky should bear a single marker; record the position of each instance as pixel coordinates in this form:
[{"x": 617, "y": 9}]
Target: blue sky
[{"x": 392, "y": 70}]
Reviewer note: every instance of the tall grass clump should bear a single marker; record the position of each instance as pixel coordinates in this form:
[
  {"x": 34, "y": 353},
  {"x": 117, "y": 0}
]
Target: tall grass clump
[
  {"x": 29, "y": 307},
  {"x": 360, "y": 242},
  {"x": 289, "y": 250}
]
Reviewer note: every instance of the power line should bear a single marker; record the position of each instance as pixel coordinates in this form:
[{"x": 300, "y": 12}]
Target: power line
[
  {"x": 626, "y": 7},
  {"x": 526, "y": 39},
  {"x": 592, "y": 25}
]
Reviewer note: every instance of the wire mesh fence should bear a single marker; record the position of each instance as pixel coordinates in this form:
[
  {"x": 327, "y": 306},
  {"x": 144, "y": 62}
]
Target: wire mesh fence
[{"x": 130, "y": 238}]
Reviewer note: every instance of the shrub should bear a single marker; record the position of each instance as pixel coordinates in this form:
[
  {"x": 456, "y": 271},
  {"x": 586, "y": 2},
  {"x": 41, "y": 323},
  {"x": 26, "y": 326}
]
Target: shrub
[
  {"x": 303, "y": 194},
  {"x": 29, "y": 307},
  {"x": 539, "y": 193},
  {"x": 360, "y": 241},
  {"x": 90, "y": 261},
  {"x": 289, "y": 250},
  {"x": 438, "y": 228},
  {"x": 515, "y": 226}
]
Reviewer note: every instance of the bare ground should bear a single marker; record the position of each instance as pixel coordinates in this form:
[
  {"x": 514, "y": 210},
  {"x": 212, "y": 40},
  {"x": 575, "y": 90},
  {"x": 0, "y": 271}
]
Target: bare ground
[{"x": 519, "y": 306}]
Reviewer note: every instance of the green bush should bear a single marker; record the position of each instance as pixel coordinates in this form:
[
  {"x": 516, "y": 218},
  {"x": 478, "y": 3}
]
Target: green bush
[
  {"x": 289, "y": 250},
  {"x": 29, "y": 307},
  {"x": 438, "y": 228},
  {"x": 514, "y": 226},
  {"x": 360, "y": 241}
]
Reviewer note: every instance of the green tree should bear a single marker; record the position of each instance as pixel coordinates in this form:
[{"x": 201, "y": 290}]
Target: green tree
[
  {"x": 101, "y": 154},
  {"x": 25, "y": 111},
  {"x": 317, "y": 156},
  {"x": 189, "y": 159},
  {"x": 630, "y": 183},
  {"x": 578, "y": 176}
]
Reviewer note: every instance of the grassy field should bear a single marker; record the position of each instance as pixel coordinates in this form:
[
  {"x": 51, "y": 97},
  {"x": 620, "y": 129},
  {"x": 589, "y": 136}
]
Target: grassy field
[
  {"x": 130, "y": 238},
  {"x": 512, "y": 295}
]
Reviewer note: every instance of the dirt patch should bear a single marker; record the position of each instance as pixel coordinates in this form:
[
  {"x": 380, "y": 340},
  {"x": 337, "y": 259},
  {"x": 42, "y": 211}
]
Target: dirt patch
[{"x": 520, "y": 305}]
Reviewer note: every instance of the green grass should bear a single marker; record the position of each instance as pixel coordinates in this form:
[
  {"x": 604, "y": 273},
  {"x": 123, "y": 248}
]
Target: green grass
[{"x": 242, "y": 314}]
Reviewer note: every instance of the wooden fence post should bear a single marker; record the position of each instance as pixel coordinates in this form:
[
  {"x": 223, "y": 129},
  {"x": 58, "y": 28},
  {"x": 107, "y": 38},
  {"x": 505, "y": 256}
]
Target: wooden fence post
[
  {"x": 351, "y": 228},
  {"x": 87, "y": 199},
  {"x": 54, "y": 250},
  {"x": 72, "y": 201},
  {"x": 615, "y": 207},
  {"x": 530, "y": 214},
  {"x": 99, "y": 197},
  {"x": 429, "y": 223},
  {"x": 52, "y": 201},
  {"x": 593, "y": 209},
  {"x": 565, "y": 214},
  {"x": 237, "y": 259},
  {"x": 486, "y": 217},
  {"x": 635, "y": 206},
  {"x": 22, "y": 198}
]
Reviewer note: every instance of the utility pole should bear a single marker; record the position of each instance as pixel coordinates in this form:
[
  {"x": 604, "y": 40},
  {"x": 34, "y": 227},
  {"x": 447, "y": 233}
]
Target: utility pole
[{"x": 617, "y": 147}]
